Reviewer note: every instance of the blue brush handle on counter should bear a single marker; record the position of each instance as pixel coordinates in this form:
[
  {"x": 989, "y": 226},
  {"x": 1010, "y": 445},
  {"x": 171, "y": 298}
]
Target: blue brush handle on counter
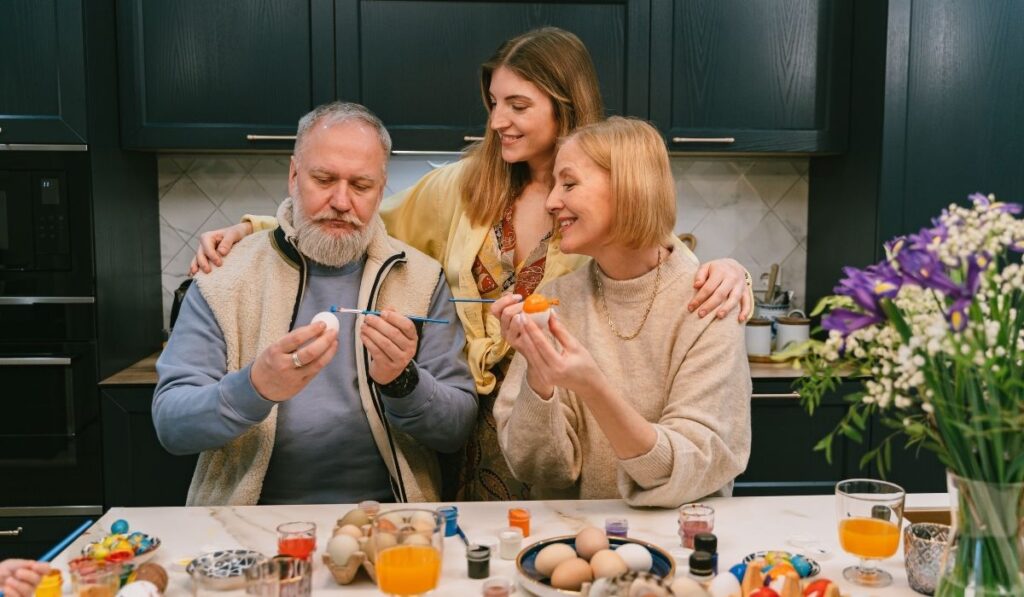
[{"x": 63, "y": 544}]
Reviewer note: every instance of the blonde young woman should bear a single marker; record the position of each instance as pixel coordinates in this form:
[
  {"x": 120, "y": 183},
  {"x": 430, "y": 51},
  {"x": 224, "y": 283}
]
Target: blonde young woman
[
  {"x": 636, "y": 397},
  {"x": 484, "y": 219}
]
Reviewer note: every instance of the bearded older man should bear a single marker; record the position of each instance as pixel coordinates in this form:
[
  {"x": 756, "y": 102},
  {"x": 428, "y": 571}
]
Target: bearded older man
[{"x": 286, "y": 411}]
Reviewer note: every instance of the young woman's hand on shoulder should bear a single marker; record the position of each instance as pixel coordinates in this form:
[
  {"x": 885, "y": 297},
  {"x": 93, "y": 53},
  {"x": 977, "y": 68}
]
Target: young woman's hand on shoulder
[
  {"x": 215, "y": 244},
  {"x": 722, "y": 284}
]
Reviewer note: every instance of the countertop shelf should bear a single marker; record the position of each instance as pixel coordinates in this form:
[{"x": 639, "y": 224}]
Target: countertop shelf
[{"x": 144, "y": 372}]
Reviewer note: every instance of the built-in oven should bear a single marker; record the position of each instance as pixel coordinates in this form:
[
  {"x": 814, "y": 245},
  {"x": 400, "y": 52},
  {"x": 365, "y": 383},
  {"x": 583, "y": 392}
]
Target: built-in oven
[
  {"x": 49, "y": 426},
  {"x": 50, "y": 431}
]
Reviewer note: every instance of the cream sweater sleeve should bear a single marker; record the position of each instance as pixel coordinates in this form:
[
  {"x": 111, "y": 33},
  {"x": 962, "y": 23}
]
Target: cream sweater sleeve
[
  {"x": 538, "y": 437},
  {"x": 704, "y": 430}
]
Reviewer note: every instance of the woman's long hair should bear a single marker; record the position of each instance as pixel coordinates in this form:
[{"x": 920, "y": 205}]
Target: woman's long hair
[{"x": 559, "y": 64}]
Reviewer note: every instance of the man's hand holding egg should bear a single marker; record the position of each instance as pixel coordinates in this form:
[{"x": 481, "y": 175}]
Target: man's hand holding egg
[{"x": 286, "y": 366}]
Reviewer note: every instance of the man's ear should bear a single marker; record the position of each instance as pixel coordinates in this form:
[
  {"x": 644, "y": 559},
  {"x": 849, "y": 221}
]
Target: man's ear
[{"x": 293, "y": 177}]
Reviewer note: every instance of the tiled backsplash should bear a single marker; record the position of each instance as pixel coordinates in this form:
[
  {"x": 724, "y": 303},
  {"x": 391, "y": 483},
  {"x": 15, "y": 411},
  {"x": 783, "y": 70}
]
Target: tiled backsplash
[{"x": 751, "y": 209}]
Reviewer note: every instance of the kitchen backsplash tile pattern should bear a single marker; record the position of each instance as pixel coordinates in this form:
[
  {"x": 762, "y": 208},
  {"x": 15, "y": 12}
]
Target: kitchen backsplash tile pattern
[{"x": 751, "y": 209}]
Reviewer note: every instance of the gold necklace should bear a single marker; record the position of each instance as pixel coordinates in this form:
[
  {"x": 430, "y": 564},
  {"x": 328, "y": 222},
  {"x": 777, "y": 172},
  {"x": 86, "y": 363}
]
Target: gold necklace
[{"x": 604, "y": 304}]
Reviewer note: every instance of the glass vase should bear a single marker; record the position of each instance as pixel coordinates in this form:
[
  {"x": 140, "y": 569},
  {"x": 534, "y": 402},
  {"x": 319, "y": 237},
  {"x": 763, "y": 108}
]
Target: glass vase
[{"x": 987, "y": 520}]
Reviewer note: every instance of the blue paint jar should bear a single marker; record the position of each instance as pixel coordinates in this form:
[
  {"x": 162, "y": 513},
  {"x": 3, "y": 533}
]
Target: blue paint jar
[{"x": 451, "y": 520}]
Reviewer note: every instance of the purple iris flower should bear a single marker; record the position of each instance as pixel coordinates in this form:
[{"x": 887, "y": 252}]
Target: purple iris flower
[
  {"x": 867, "y": 288},
  {"x": 980, "y": 200},
  {"x": 923, "y": 268},
  {"x": 846, "y": 321},
  {"x": 957, "y": 314},
  {"x": 976, "y": 264}
]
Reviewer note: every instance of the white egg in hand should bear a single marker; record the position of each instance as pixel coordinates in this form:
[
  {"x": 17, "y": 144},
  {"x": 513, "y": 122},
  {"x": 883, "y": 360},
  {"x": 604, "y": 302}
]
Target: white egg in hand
[{"x": 329, "y": 319}]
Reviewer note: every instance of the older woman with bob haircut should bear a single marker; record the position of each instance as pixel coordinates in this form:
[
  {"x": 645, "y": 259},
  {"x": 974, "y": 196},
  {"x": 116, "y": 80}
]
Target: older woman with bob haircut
[{"x": 637, "y": 397}]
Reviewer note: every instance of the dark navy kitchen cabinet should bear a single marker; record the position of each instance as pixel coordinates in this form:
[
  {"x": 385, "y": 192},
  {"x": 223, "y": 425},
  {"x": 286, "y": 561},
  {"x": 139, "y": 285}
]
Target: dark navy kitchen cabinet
[
  {"x": 138, "y": 471},
  {"x": 937, "y": 101},
  {"x": 783, "y": 436},
  {"x": 418, "y": 62},
  {"x": 42, "y": 78},
  {"x": 740, "y": 76},
  {"x": 221, "y": 75}
]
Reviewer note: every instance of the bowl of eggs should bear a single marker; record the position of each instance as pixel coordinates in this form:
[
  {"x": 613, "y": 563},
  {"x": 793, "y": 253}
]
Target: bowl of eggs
[{"x": 562, "y": 565}]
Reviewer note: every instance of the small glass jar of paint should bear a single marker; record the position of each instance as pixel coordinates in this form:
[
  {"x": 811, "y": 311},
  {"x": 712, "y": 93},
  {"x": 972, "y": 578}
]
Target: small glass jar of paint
[
  {"x": 520, "y": 517},
  {"x": 371, "y": 507},
  {"x": 616, "y": 527},
  {"x": 499, "y": 586},
  {"x": 510, "y": 541},
  {"x": 450, "y": 514},
  {"x": 708, "y": 542},
  {"x": 478, "y": 561}
]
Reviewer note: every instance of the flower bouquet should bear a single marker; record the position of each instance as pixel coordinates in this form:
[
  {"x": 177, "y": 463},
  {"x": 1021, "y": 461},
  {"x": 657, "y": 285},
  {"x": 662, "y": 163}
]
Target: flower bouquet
[{"x": 935, "y": 333}]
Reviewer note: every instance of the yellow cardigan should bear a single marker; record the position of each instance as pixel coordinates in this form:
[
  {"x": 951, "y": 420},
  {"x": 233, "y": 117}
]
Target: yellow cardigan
[{"x": 430, "y": 216}]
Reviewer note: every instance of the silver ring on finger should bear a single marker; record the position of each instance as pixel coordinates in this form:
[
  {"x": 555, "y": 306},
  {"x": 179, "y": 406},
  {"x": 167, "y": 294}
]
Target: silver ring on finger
[{"x": 296, "y": 361}]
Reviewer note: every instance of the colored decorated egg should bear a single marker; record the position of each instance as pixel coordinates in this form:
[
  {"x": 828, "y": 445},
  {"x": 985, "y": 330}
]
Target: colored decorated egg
[
  {"x": 779, "y": 570},
  {"x": 538, "y": 307},
  {"x": 801, "y": 565},
  {"x": 739, "y": 570},
  {"x": 119, "y": 527},
  {"x": 818, "y": 588},
  {"x": 100, "y": 552},
  {"x": 764, "y": 592}
]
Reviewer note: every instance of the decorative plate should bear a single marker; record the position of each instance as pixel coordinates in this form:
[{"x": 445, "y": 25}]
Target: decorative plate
[
  {"x": 662, "y": 564},
  {"x": 776, "y": 553},
  {"x": 139, "y": 558},
  {"x": 226, "y": 567}
]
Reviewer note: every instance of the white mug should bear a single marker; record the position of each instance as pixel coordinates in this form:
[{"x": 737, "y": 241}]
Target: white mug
[
  {"x": 792, "y": 328},
  {"x": 759, "y": 337}
]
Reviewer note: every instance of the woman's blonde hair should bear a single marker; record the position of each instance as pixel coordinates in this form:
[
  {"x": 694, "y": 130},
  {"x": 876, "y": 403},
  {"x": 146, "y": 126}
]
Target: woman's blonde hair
[
  {"x": 559, "y": 64},
  {"x": 643, "y": 190}
]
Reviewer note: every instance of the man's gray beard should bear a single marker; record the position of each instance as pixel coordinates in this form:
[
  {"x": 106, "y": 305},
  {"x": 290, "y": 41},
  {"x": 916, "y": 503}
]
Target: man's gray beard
[{"x": 327, "y": 249}]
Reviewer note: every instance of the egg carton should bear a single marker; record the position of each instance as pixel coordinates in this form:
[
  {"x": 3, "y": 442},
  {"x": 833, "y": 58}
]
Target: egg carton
[{"x": 345, "y": 573}]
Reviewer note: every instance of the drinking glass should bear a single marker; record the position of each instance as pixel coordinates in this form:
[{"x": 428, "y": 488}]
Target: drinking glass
[
  {"x": 281, "y": 576},
  {"x": 870, "y": 514},
  {"x": 100, "y": 579},
  {"x": 297, "y": 539},
  {"x": 408, "y": 545}
]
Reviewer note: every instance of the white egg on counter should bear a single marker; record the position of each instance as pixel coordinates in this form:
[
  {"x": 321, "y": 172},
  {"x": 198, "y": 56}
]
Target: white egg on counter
[
  {"x": 725, "y": 585},
  {"x": 636, "y": 557},
  {"x": 687, "y": 587},
  {"x": 341, "y": 547},
  {"x": 351, "y": 530},
  {"x": 329, "y": 319}
]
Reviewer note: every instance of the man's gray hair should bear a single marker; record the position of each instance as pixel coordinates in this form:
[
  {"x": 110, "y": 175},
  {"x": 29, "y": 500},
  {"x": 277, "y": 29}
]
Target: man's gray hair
[{"x": 337, "y": 113}]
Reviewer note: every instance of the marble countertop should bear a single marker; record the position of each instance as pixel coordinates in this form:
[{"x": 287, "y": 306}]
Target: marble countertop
[
  {"x": 743, "y": 525},
  {"x": 144, "y": 372}
]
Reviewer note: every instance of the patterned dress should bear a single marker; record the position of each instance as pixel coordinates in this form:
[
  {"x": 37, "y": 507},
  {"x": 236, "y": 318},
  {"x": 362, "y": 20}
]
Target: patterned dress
[{"x": 484, "y": 475}]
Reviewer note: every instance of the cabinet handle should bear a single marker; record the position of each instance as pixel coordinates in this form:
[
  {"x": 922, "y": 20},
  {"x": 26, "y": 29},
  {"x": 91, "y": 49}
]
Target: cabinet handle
[
  {"x": 46, "y": 300},
  {"x": 785, "y": 395},
  {"x": 472, "y": 139},
  {"x": 721, "y": 140},
  {"x": 35, "y": 362},
  {"x": 12, "y": 532},
  {"x": 270, "y": 137}
]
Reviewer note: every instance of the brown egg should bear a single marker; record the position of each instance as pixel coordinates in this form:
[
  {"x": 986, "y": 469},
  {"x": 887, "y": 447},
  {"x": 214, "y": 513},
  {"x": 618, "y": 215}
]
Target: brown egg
[
  {"x": 571, "y": 574},
  {"x": 590, "y": 541},
  {"x": 606, "y": 564},
  {"x": 551, "y": 556},
  {"x": 355, "y": 517},
  {"x": 154, "y": 573}
]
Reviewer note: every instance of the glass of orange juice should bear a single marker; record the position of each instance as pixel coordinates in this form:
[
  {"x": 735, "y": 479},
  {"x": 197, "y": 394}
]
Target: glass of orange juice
[
  {"x": 870, "y": 515},
  {"x": 408, "y": 545}
]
